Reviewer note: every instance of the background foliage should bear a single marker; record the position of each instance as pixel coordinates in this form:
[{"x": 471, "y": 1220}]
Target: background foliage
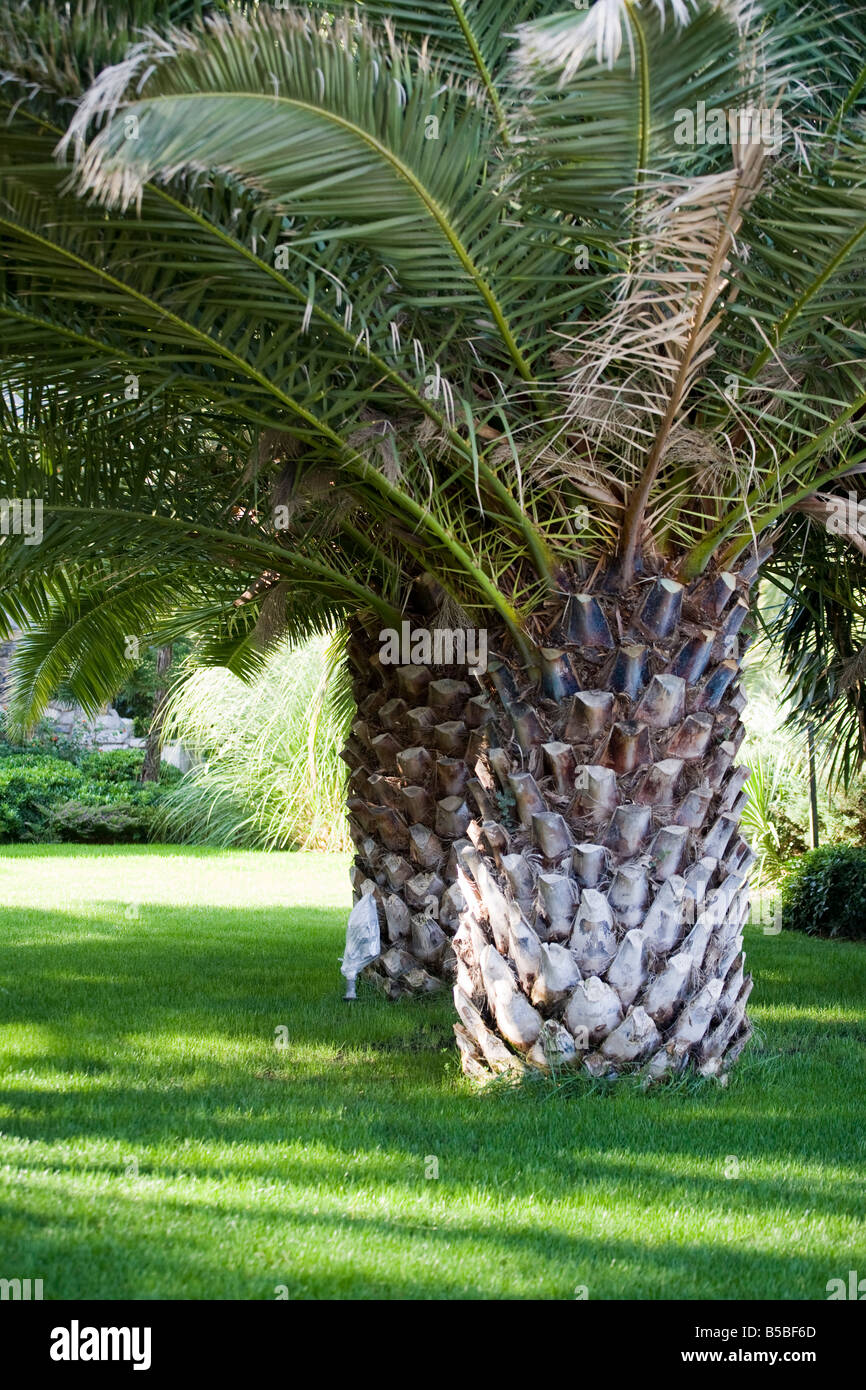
[
  {"x": 271, "y": 776},
  {"x": 53, "y": 790},
  {"x": 267, "y": 775},
  {"x": 825, "y": 894}
]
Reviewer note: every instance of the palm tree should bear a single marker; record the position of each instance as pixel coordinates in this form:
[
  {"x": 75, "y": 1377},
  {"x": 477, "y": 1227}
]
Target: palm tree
[
  {"x": 542, "y": 335},
  {"x": 818, "y": 630}
]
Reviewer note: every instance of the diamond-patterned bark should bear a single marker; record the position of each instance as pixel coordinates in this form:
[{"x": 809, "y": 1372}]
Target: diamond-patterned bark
[{"x": 564, "y": 843}]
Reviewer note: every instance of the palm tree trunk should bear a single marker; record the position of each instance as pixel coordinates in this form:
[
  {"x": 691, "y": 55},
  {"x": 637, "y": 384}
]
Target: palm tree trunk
[
  {"x": 409, "y": 754},
  {"x": 153, "y": 751},
  {"x": 569, "y": 835}
]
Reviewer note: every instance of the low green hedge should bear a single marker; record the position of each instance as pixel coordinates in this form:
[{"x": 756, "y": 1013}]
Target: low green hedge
[
  {"x": 825, "y": 893},
  {"x": 92, "y": 797},
  {"x": 124, "y": 821},
  {"x": 29, "y": 786},
  {"x": 117, "y": 767}
]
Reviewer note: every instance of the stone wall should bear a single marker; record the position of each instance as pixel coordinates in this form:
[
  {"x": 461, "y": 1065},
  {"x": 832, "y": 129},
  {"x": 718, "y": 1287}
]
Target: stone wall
[{"x": 105, "y": 731}]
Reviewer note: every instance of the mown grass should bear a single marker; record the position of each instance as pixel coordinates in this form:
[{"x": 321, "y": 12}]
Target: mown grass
[{"x": 156, "y": 1143}]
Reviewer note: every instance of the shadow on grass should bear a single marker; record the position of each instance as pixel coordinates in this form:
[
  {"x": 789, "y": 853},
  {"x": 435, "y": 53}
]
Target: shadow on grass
[
  {"x": 159, "y": 1038},
  {"x": 616, "y": 1267}
]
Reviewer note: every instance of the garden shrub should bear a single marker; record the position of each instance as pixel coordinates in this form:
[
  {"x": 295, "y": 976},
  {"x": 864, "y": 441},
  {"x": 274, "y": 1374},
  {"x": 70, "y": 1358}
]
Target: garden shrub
[
  {"x": 43, "y": 742},
  {"x": 29, "y": 785},
  {"x": 128, "y": 821},
  {"x": 824, "y": 893},
  {"x": 97, "y": 797},
  {"x": 118, "y": 766}
]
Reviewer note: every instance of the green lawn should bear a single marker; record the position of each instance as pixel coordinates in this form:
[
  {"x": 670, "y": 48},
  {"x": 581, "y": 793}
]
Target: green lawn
[{"x": 157, "y": 1144}]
